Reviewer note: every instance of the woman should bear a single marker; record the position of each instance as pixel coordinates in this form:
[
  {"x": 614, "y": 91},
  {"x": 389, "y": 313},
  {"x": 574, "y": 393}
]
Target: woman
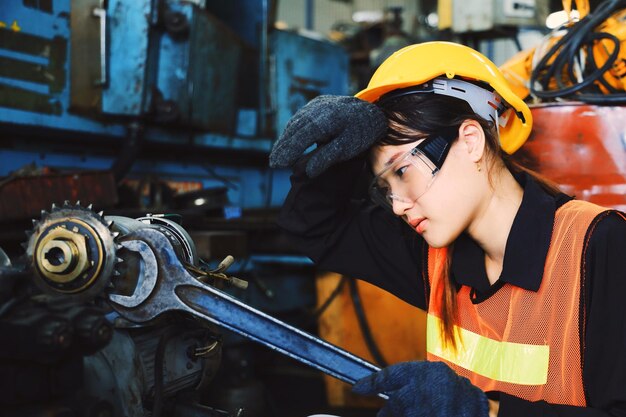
[{"x": 522, "y": 283}]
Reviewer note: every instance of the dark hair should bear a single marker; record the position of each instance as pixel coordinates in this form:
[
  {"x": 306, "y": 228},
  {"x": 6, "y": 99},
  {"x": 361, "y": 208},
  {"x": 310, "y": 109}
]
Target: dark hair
[{"x": 413, "y": 117}]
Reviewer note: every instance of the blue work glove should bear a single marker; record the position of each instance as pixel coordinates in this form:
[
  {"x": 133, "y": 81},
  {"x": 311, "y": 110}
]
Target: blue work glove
[
  {"x": 424, "y": 389},
  {"x": 343, "y": 127}
]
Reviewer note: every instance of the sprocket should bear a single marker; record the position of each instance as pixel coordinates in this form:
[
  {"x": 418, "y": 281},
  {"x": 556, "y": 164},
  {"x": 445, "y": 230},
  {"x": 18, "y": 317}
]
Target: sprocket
[{"x": 73, "y": 251}]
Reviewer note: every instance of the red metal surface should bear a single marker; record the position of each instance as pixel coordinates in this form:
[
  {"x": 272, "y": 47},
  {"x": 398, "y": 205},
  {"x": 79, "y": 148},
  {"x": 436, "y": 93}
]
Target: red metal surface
[
  {"x": 582, "y": 148},
  {"x": 25, "y": 197}
]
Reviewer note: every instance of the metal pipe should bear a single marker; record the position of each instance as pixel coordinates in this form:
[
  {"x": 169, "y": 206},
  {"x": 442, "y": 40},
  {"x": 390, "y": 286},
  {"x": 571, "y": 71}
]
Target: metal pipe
[
  {"x": 263, "y": 55},
  {"x": 101, "y": 14},
  {"x": 309, "y": 16}
]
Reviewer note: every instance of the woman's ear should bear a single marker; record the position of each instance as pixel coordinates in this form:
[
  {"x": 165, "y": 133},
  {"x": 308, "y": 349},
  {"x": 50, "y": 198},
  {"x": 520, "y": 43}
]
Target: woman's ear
[{"x": 471, "y": 134}]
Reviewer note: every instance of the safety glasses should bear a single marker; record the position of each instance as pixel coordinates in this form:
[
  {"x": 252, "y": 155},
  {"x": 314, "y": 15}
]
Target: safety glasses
[{"x": 406, "y": 178}]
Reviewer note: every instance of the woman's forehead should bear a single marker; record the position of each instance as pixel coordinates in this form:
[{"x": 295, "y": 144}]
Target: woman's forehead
[{"x": 382, "y": 155}]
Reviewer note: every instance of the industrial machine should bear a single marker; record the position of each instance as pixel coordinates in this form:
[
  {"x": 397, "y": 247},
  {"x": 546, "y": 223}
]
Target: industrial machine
[
  {"x": 125, "y": 319},
  {"x": 477, "y": 16},
  {"x": 145, "y": 106},
  {"x": 582, "y": 60},
  {"x": 189, "y": 92},
  {"x": 576, "y": 86}
]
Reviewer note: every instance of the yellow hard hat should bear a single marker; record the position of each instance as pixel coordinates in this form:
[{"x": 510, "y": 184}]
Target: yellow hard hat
[{"x": 417, "y": 64}]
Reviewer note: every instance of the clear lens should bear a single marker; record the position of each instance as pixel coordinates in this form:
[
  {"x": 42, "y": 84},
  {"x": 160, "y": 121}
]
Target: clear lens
[{"x": 404, "y": 181}]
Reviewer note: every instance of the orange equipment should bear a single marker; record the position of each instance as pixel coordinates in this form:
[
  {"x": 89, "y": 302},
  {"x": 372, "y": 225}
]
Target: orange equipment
[{"x": 583, "y": 60}]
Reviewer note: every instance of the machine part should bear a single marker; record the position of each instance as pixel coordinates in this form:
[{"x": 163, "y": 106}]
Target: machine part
[
  {"x": 164, "y": 111},
  {"x": 175, "y": 289},
  {"x": 192, "y": 42},
  {"x": 561, "y": 73},
  {"x": 462, "y": 16},
  {"x": 178, "y": 236},
  {"x": 101, "y": 14},
  {"x": 144, "y": 363},
  {"x": 176, "y": 24},
  {"x": 72, "y": 251},
  {"x": 130, "y": 150},
  {"x": 172, "y": 229},
  {"x": 587, "y": 158},
  {"x": 5, "y": 262},
  {"x": 233, "y": 281},
  {"x": 22, "y": 197},
  {"x": 517, "y": 72},
  {"x": 372, "y": 346},
  {"x": 91, "y": 329},
  {"x": 333, "y": 295},
  {"x": 197, "y": 410},
  {"x": 297, "y": 78},
  {"x": 50, "y": 330},
  {"x": 581, "y": 5},
  {"x": 583, "y": 60}
]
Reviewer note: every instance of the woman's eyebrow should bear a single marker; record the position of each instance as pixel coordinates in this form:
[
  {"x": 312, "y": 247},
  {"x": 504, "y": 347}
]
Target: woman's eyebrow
[{"x": 393, "y": 158}]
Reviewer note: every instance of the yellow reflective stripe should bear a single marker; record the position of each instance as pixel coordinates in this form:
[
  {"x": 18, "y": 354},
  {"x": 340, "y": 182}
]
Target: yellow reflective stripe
[{"x": 516, "y": 363}]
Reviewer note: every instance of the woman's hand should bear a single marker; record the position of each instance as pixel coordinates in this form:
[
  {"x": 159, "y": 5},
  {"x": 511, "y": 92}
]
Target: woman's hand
[
  {"x": 342, "y": 127},
  {"x": 425, "y": 389}
]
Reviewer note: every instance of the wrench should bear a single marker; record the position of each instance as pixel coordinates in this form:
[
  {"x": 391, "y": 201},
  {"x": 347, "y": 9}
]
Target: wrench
[{"x": 165, "y": 285}]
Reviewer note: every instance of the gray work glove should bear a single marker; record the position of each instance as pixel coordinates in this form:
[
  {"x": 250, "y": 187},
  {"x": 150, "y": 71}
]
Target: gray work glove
[
  {"x": 342, "y": 126},
  {"x": 424, "y": 389}
]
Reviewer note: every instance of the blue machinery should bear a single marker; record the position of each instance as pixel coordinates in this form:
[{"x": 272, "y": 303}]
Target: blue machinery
[
  {"x": 206, "y": 82},
  {"x": 185, "y": 91}
]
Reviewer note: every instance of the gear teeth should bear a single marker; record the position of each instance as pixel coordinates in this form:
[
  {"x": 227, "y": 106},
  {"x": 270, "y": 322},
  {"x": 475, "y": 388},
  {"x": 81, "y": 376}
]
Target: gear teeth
[
  {"x": 43, "y": 213},
  {"x": 77, "y": 203},
  {"x": 24, "y": 245},
  {"x": 54, "y": 206},
  {"x": 110, "y": 223},
  {"x": 116, "y": 273},
  {"x": 35, "y": 222},
  {"x": 66, "y": 203},
  {"x": 115, "y": 235},
  {"x": 101, "y": 213},
  {"x": 118, "y": 246},
  {"x": 111, "y": 286},
  {"x": 119, "y": 260},
  {"x": 90, "y": 207}
]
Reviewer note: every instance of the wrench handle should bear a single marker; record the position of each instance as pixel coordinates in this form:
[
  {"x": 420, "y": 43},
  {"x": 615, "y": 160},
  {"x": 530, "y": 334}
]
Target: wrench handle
[{"x": 226, "y": 311}]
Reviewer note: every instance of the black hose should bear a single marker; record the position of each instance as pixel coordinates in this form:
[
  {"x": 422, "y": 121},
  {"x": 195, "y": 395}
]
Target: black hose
[
  {"x": 364, "y": 326},
  {"x": 324, "y": 306},
  {"x": 130, "y": 150},
  {"x": 8, "y": 306},
  {"x": 565, "y": 54}
]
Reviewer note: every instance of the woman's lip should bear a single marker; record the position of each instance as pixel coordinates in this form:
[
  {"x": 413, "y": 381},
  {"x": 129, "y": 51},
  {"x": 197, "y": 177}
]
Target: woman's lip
[
  {"x": 415, "y": 222},
  {"x": 421, "y": 226}
]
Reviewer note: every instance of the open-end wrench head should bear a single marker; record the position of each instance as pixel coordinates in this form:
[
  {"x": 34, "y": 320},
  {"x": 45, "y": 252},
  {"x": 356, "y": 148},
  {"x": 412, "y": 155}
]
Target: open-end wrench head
[
  {"x": 161, "y": 272},
  {"x": 148, "y": 273}
]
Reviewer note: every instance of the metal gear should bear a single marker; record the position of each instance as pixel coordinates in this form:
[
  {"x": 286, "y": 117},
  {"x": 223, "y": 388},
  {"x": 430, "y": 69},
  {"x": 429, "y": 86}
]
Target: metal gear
[{"x": 73, "y": 251}]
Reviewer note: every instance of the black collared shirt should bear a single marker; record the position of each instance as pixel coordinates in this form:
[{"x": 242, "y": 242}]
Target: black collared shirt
[
  {"x": 526, "y": 247},
  {"x": 331, "y": 221}
]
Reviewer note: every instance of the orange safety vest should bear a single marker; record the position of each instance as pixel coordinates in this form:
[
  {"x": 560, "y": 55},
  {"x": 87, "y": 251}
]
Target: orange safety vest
[{"x": 521, "y": 342}]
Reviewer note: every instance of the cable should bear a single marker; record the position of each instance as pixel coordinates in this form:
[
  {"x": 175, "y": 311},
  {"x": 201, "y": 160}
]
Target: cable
[
  {"x": 363, "y": 324},
  {"x": 580, "y": 40},
  {"x": 324, "y": 306},
  {"x": 130, "y": 150}
]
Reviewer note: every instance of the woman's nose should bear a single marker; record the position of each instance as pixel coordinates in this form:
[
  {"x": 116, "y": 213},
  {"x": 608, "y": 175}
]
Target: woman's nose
[{"x": 400, "y": 206}]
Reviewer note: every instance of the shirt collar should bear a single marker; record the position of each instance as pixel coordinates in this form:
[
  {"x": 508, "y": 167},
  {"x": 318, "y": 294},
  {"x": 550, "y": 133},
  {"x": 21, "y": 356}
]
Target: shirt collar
[{"x": 526, "y": 247}]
